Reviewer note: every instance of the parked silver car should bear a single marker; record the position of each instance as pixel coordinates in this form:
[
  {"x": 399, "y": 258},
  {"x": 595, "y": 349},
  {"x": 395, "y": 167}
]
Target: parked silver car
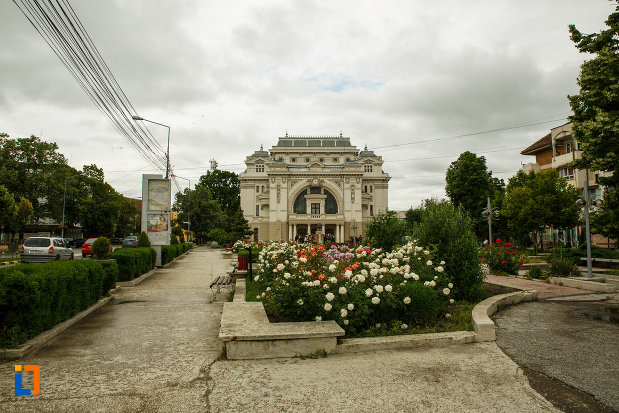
[{"x": 43, "y": 249}]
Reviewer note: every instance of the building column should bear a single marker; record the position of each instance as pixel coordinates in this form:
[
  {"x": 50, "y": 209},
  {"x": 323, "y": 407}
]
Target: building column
[
  {"x": 294, "y": 231},
  {"x": 289, "y": 232}
]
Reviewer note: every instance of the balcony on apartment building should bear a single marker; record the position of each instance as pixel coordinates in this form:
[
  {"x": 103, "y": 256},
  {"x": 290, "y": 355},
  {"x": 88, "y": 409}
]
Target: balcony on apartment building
[{"x": 562, "y": 160}]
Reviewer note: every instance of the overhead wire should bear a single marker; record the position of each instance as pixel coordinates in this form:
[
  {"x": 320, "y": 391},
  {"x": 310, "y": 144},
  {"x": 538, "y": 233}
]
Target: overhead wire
[{"x": 64, "y": 33}]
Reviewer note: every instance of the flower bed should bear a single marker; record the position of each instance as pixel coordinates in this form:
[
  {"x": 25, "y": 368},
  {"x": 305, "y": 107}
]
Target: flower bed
[
  {"x": 501, "y": 257},
  {"x": 361, "y": 289}
]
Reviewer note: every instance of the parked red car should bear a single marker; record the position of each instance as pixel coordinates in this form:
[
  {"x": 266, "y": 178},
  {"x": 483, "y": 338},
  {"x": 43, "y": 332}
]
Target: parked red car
[{"x": 87, "y": 247}]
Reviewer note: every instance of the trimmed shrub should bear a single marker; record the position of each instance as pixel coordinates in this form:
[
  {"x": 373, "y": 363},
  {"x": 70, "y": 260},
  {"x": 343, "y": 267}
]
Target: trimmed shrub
[
  {"x": 101, "y": 247},
  {"x": 450, "y": 231},
  {"x": 536, "y": 272},
  {"x": 110, "y": 267},
  {"x": 214, "y": 244},
  {"x": 173, "y": 240},
  {"x": 36, "y": 297},
  {"x": 133, "y": 262},
  {"x": 143, "y": 241}
]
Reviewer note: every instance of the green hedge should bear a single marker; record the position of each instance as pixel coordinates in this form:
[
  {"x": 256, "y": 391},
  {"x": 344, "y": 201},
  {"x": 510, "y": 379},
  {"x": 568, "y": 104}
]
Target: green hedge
[
  {"x": 582, "y": 253},
  {"x": 254, "y": 253},
  {"x": 170, "y": 252},
  {"x": 36, "y": 297},
  {"x": 133, "y": 262}
]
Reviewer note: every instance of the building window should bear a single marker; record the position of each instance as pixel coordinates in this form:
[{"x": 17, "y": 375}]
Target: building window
[
  {"x": 315, "y": 209},
  {"x": 367, "y": 168},
  {"x": 262, "y": 188},
  {"x": 293, "y": 159},
  {"x": 307, "y": 160},
  {"x": 330, "y": 203},
  {"x": 365, "y": 189},
  {"x": 568, "y": 148},
  {"x": 322, "y": 159},
  {"x": 371, "y": 210},
  {"x": 257, "y": 210},
  {"x": 567, "y": 173},
  {"x": 370, "y": 188},
  {"x": 300, "y": 205},
  {"x": 335, "y": 159},
  {"x": 260, "y": 168},
  {"x": 257, "y": 188}
]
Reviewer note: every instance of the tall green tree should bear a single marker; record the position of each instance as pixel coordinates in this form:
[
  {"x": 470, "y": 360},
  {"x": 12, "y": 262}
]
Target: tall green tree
[
  {"x": 8, "y": 208},
  {"x": 206, "y": 213},
  {"x": 468, "y": 183},
  {"x": 100, "y": 204},
  {"x": 225, "y": 188},
  {"x": 128, "y": 221},
  {"x": 536, "y": 200},
  {"x": 596, "y": 116},
  {"x": 29, "y": 168}
]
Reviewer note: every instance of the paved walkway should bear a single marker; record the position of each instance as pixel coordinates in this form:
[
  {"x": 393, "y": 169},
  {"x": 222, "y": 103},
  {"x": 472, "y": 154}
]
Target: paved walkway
[
  {"x": 148, "y": 350},
  {"x": 544, "y": 289},
  {"x": 154, "y": 350},
  {"x": 573, "y": 342}
]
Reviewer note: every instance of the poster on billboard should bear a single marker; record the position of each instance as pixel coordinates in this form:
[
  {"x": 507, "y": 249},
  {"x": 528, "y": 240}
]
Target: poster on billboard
[
  {"x": 159, "y": 195},
  {"x": 158, "y": 228}
]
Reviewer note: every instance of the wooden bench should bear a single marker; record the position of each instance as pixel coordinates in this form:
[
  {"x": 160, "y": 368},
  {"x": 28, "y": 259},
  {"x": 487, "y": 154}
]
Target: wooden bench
[{"x": 222, "y": 280}]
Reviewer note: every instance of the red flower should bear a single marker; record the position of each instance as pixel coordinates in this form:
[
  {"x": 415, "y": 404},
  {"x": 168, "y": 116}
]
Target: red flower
[
  {"x": 503, "y": 262},
  {"x": 482, "y": 258},
  {"x": 267, "y": 297},
  {"x": 498, "y": 240},
  {"x": 521, "y": 262}
]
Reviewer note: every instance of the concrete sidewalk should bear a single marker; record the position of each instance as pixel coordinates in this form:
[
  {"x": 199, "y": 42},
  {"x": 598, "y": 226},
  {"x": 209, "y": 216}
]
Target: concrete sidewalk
[
  {"x": 154, "y": 350},
  {"x": 544, "y": 289},
  {"x": 149, "y": 350},
  {"x": 464, "y": 378}
]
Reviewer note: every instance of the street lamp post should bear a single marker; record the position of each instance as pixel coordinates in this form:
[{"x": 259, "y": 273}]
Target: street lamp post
[
  {"x": 167, "y": 157},
  {"x": 487, "y": 214},
  {"x": 584, "y": 203},
  {"x": 189, "y": 202}
]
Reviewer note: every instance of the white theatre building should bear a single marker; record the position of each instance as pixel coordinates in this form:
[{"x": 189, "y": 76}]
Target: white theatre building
[{"x": 312, "y": 185}]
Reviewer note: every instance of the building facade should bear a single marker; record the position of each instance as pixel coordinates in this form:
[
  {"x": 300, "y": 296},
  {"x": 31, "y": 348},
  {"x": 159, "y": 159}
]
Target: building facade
[
  {"x": 558, "y": 150},
  {"x": 320, "y": 187}
]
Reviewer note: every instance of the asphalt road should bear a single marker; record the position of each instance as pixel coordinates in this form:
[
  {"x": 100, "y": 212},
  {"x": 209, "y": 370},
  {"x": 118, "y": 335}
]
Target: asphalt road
[{"x": 575, "y": 343}]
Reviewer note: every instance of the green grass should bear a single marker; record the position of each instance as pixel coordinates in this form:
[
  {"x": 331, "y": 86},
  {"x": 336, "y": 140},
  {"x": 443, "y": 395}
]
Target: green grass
[
  {"x": 8, "y": 258},
  {"x": 252, "y": 289}
]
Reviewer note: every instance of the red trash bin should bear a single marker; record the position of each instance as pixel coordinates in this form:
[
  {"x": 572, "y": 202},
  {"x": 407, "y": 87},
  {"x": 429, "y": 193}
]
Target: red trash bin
[{"x": 243, "y": 263}]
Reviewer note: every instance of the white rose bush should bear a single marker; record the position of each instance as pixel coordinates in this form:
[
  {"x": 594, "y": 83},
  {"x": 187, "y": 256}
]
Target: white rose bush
[{"x": 358, "y": 288}]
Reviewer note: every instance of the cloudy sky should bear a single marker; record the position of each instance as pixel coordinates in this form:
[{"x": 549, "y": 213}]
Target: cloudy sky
[{"x": 229, "y": 76}]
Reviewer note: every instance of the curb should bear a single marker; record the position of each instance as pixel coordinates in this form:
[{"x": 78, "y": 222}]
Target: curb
[
  {"x": 46, "y": 336},
  {"x": 584, "y": 284},
  {"x": 408, "y": 341},
  {"x": 484, "y": 327},
  {"x": 135, "y": 281},
  {"x": 9, "y": 262}
]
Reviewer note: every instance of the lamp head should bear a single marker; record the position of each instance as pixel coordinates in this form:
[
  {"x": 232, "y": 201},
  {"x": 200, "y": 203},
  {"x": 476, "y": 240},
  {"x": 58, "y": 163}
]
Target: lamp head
[{"x": 136, "y": 117}]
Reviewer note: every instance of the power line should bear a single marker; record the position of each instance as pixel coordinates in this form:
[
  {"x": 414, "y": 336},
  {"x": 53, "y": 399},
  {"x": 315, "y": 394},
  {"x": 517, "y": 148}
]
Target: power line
[
  {"x": 465, "y": 135},
  {"x": 61, "y": 29}
]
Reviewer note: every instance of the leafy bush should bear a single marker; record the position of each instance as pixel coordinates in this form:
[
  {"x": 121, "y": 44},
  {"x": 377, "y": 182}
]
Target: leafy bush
[
  {"x": 173, "y": 240},
  {"x": 214, "y": 244},
  {"x": 133, "y": 262},
  {"x": 450, "y": 231},
  {"x": 563, "y": 267},
  {"x": 36, "y": 297},
  {"x": 384, "y": 230},
  {"x": 101, "y": 247},
  {"x": 219, "y": 236},
  {"x": 501, "y": 258},
  {"x": 255, "y": 252},
  {"x": 143, "y": 241},
  {"x": 110, "y": 267},
  {"x": 537, "y": 272},
  {"x": 596, "y": 252},
  {"x": 170, "y": 252}
]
